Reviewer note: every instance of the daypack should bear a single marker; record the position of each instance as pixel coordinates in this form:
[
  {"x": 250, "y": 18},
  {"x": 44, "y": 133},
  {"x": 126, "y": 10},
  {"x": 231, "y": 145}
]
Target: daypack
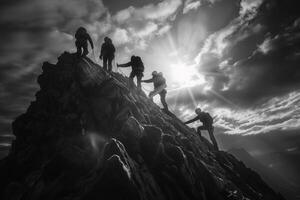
[
  {"x": 159, "y": 80},
  {"x": 80, "y": 33},
  {"x": 205, "y": 118},
  {"x": 208, "y": 118},
  {"x": 108, "y": 49},
  {"x": 137, "y": 64}
]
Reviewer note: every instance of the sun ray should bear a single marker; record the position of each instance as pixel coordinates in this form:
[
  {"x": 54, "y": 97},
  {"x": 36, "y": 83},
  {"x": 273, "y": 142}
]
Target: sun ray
[
  {"x": 192, "y": 97},
  {"x": 223, "y": 98}
]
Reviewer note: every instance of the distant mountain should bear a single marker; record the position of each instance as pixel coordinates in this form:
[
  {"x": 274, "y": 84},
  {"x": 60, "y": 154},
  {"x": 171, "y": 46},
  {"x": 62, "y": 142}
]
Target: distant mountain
[
  {"x": 274, "y": 179},
  {"x": 286, "y": 163},
  {"x": 94, "y": 135}
]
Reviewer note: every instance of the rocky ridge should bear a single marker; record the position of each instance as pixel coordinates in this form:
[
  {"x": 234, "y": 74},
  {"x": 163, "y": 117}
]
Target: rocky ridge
[{"x": 91, "y": 135}]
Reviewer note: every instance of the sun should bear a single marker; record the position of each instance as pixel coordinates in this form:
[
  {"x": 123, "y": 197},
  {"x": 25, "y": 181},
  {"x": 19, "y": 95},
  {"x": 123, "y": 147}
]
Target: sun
[{"x": 186, "y": 75}]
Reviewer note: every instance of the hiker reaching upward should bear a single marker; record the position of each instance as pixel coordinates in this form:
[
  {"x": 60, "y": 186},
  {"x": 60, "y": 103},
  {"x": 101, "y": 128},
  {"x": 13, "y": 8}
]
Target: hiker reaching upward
[
  {"x": 82, "y": 38},
  {"x": 137, "y": 69},
  {"x": 159, "y": 83},
  {"x": 107, "y": 53},
  {"x": 207, "y": 122}
]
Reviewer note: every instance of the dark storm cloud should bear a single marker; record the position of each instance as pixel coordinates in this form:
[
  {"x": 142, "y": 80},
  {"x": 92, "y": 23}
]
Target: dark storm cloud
[
  {"x": 33, "y": 32},
  {"x": 251, "y": 66},
  {"x": 271, "y": 68},
  {"x": 256, "y": 56}
]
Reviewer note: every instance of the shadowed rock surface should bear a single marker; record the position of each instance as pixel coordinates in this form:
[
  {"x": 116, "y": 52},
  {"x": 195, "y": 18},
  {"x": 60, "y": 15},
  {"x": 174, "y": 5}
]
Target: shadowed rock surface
[{"x": 89, "y": 135}]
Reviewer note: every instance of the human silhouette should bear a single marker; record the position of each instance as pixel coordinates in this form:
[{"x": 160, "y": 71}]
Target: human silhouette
[
  {"x": 107, "y": 53},
  {"x": 137, "y": 69},
  {"x": 82, "y": 38},
  {"x": 159, "y": 83},
  {"x": 207, "y": 122}
]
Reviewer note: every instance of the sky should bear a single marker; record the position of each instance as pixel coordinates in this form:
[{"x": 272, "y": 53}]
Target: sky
[{"x": 237, "y": 59}]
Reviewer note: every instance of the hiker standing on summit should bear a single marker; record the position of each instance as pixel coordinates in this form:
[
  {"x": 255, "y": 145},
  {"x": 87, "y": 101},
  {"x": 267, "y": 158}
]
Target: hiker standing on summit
[
  {"x": 137, "y": 69},
  {"x": 207, "y": 122},
  {"x": 159, "y": 87},
  {"x": 107, "y": 53},
  {"x": 82, "y": 38}
]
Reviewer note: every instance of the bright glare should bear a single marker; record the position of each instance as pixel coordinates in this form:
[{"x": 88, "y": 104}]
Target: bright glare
[{"x": 186, "y": 76}]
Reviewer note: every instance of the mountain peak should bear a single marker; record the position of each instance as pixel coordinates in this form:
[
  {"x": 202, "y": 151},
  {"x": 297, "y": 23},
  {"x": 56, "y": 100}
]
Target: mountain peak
[{"x": 94, "y": 135}]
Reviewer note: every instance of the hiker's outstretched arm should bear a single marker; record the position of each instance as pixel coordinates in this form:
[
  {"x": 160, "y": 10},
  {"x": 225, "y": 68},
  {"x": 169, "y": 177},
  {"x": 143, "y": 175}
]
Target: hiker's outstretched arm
[
  {"x": 192, "y": 120},
  {"x": 91, "y": 41},
  {"x": 148, "y": 80},
  {"x": 125, "y": 65}
]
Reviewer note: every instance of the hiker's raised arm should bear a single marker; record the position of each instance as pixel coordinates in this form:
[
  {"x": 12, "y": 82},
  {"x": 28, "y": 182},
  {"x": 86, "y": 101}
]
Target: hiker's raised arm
[
  {"x": 124, "y": 65},
  {"x": 148, "y": 80},
  {"x": 192, "y": 120}
]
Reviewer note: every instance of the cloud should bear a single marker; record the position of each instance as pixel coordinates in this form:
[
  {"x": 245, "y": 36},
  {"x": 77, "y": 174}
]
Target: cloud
[
  {"x": 164, "y": 29},
  {"x": 161, "y": 11},
  {"x": 279, "y": 113},
  {"x": 191, "y": 5},
  {"x": 249, "y": 5},
  {"x": 147, "y": 30},
  {"x": 146, "y": 22},
  {"x": 33, "y": 32},
  {"x": 251, "y": 69},
  {"x": 120, "y": 36}
]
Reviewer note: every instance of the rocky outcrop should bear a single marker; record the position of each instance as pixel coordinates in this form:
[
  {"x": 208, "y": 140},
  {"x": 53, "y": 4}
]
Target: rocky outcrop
[{"x": 91, "y": 135}]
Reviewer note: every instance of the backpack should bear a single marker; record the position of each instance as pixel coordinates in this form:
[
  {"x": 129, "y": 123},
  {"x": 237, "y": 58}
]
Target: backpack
[
  {"x": 208, "y": 118},
  {"x": 80, "y": 33},
  {"x": 138, "y": 64},
  {"x": 159, "y": 80}
]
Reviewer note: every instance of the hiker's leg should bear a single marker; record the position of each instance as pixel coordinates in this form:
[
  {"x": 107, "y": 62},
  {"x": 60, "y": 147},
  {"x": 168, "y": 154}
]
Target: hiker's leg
[
  {"x": 163, "y": 99},
  {"x": 78, "y": 49},
  {"x": 139, "y": 79},
  {"x": 212, "y": 137},
  {"x": 104, "y": 62},
  {"x": 199, "y": 129},
  {"x": 85, "y": 49},
  {"x": 132, "y": 75},
  {"x": 151, "y": 95},
  {"x": 109, "y": 60}
]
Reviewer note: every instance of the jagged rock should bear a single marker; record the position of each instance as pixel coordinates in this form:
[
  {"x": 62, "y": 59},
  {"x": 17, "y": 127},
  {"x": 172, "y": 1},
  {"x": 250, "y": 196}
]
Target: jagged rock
[{"x": 94, "y": 135}]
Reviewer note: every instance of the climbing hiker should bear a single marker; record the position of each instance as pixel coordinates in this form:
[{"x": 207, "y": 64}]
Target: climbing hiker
[
  {"x": 107, "y": 53},
  {"x": 137, "y": 69},
  {"x": 207, "y": 122},
  {"x": 159, "y": 83},
  {"x": 82, "y": 38}
]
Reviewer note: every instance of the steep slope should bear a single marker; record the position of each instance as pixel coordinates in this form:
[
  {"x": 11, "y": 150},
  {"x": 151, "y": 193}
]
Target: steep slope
[{"x": 89, "y": 135}]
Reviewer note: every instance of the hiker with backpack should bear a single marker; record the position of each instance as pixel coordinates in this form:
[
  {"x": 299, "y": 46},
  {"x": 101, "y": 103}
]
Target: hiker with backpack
[
  {"x": 159, "y": 83},
  {"x": 207, "y": 122},
  {"x": 137, "y": 69},
  {"x": 107, "y": 54},
  {"x": 82, "y": 38}
]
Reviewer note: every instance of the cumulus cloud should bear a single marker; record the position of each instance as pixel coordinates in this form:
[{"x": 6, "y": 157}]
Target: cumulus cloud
[
  {"x": 278, "y": 113},
  {"x": 143, "y": 23},
  {"x": 161, "y": 11},
  {"x": 190, "y": 5},
  {"x": 120, "y": 36}
]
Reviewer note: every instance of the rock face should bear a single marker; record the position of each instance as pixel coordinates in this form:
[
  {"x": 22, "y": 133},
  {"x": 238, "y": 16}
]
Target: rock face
[{"x": 90, "y": 135}]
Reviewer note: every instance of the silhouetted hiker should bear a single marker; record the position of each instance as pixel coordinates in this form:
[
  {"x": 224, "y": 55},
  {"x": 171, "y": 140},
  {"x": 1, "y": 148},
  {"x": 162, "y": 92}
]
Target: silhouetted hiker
[
  {"x": 82, "y": 38},
  {"x": 137, "y": 69},
  {"x": 207, "y": 122},
  {"x": 159, "y": 87},
  {"x": 107, "y": 53}
]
